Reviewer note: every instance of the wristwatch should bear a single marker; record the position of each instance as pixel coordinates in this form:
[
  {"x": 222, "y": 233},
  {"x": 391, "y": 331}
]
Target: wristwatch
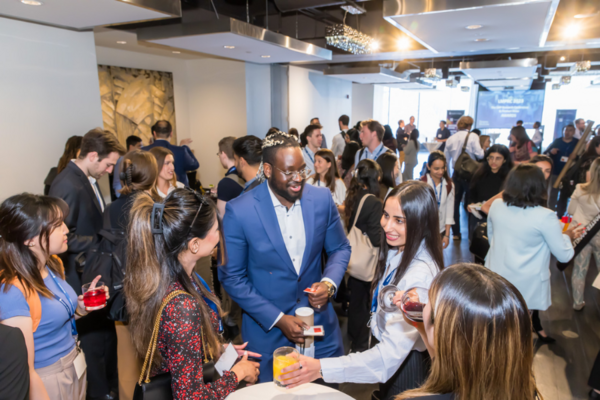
[{"x": 330, "y": 288}]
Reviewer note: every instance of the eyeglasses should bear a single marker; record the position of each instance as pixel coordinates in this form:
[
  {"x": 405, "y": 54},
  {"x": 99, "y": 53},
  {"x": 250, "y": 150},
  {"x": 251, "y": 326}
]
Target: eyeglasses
[
  {"x": 305, "y": 173},
  {"x": 493, "y": 159}
]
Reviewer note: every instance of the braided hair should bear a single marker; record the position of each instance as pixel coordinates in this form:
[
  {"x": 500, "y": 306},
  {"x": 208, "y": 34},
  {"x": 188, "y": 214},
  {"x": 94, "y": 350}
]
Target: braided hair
[{"x": 270, "y": 145}]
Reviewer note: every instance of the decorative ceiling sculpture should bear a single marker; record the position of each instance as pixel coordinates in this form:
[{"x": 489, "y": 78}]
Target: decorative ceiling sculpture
[{"x": 349, "y": 39}]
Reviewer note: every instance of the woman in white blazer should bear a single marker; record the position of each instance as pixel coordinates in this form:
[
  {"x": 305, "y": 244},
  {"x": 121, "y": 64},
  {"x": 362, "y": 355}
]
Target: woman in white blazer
[
  {"x": 584, "y": 207},
  {"x": 522, "y": 233},
  {"x": 437, "y": 177}
]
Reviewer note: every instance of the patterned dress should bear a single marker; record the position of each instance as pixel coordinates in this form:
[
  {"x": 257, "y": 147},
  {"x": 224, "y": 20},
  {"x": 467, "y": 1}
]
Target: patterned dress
[{"x": 180, "y": 345}]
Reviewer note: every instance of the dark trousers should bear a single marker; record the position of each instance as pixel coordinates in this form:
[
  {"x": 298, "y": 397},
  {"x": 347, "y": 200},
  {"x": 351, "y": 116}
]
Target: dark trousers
[
  {"x": 535, "y": 320},
  {"x": 461, "y": 188},
  {"x": 99, "y": 344},
  {"x": 359, "y": 313},
  {"x": 411, "y": 375},
  {"x": 594, "y": 380},
  {"x": 473, "y": 221}
]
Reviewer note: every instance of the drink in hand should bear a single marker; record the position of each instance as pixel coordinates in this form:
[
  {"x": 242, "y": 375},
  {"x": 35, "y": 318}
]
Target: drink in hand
[
  {"x": 412, "y": 304},
  {"x": 94, "y": 298},
  {"x": 283, "y": 357}
]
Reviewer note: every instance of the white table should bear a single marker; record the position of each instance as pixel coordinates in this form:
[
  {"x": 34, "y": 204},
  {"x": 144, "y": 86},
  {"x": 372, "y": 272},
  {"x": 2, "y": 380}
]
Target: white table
[
  {"x": 268, "y": 391},
  {"x": 493, "y": 137},
  {"x": 432, "y": 146}
]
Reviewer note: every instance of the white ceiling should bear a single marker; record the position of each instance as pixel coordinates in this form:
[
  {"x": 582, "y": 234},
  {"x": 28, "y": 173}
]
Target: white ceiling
[
  {"x": 79, "y": 14},
  {"x": 516, "y": 84},
  {"x": 366, "y": 75}
]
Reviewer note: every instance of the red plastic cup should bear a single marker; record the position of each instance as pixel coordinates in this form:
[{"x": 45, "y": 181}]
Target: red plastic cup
[{"x": 94, "y": 298}]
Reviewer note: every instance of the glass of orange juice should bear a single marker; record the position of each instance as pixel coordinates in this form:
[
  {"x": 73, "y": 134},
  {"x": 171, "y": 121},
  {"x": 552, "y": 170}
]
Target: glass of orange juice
[{"x": 283, "y": 357}]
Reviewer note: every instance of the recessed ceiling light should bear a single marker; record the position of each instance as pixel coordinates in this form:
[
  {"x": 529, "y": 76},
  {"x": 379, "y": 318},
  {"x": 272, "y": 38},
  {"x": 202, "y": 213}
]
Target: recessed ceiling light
[
  {"x": 229, "y": 47},
  {"x": 572, "y": 30},
  {"x": 473, "y": 26},
  {"x": 590, "y": 15},
  {"x": 562, "y": 58},
  {"x": 593, "y": 43},
  {"x": 32, "y": 2},
  {"x": 481, "y": 40},
  {"x": 121, "y": 42},
  {"x": 266, "y": 56},
  {"x": 403, "y": 43},
  {"x": 513, "y": 48},
  {"x": 176, "y": 52},
  {"x": 375, "y": 45}
]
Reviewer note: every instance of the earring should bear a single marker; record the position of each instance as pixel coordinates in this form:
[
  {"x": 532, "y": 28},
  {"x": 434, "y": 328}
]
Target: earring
[
  {"x": 194, "y": 252},
  {"x": 31, "y": 244}
]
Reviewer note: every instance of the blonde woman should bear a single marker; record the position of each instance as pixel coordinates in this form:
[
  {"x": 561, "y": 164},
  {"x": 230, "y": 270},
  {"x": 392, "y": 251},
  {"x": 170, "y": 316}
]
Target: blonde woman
[
  {"x": 478, "y": 331},
  {"x": 166, "y": 181},
  {"x": 584, "y": 206}
]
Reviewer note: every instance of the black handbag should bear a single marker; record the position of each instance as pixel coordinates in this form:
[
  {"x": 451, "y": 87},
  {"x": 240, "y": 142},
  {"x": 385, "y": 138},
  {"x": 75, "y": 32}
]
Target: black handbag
[
  {"x": 480, "y": 244},
  {"x": 465, "y": 167}
]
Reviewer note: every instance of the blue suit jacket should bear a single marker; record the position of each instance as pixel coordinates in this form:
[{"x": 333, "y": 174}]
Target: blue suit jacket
[
  {"x": 184, "y": 159},
  {"x": 260, "y": 277}
]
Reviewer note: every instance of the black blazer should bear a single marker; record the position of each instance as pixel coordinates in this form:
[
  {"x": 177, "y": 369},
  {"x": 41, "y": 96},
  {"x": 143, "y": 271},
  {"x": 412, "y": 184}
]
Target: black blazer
[{"x": 84, "y": 220}]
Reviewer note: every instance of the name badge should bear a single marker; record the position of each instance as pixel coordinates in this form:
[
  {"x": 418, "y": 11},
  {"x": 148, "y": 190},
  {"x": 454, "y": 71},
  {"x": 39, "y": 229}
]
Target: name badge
[
  {"x": 79, "y": 364},
  {"x": 564, "y": 159}
]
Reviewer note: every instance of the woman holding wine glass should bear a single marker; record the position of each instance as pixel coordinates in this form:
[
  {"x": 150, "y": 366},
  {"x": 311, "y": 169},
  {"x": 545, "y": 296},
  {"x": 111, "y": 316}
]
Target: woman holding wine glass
[{"x": 411, "y": 256}]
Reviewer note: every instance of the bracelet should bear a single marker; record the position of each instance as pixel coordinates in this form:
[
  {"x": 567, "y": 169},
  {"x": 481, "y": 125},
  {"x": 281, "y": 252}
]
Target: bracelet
[
  {"x": 80, "y": 314},
  {"x": 447, "y": 236}
]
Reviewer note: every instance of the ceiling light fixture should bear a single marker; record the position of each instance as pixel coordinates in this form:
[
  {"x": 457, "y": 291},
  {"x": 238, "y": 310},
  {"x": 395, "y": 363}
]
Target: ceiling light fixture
[
  {"x": 556, "y": 86},
  {"x": 572, "y": 31},
  {"x": 593, "y": 43},
  {"x": 265, "y": 56},
  {"x": 375, "y": 45},
  {"x": 349, "y": 39},
  {"x": 481, "y": 40},
  {"x": 121, "y": 42},
  {"x": 583, "y": 66},
  {"x": 176, "y": 52},
  {"x": 474, "y": 26},
  {"x": 229, "y": 47},
  {"x": 590, "y": 15},
  {"x": 562, "y": 58},
  {"x": 354, "y": 10},
  {"x": 403, "y": 43},
  {"x": 565, "y": 80},
  {"x": 32, "y": 2}
]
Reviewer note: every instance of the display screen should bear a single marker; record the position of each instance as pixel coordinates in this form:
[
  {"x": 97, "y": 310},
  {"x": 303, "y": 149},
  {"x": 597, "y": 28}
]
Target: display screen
[{"x": 502, "y": 110}]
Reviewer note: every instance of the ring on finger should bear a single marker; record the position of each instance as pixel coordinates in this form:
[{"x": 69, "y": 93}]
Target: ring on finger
[{"x": 300, "y": 365}]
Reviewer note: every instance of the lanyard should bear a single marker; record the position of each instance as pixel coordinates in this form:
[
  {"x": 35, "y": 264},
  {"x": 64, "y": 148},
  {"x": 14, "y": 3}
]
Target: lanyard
[
  {"x": 386, "y": 282},
  {"x": 312, "y": 159},
  {"x": 71, "y": 309},
  {"x": 248, "y": 184},
  {"x": 438, "y": 198},
  {"x": 210, "y": 303},
  {"x": 378, "y": 154}
]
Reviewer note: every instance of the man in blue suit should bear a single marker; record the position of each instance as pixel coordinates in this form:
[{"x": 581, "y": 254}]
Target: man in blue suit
[
  {"x": 274, "y": 236},
  {"x": 184, "y": 158}
]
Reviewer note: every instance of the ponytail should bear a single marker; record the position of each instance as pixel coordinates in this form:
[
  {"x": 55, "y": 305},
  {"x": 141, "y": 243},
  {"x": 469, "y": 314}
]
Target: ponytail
[{"x": 138, "y": 172}]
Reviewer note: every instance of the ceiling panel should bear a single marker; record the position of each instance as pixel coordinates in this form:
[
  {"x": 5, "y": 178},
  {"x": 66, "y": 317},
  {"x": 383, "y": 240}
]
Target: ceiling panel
[
  {"x": 81, "y": 14},
  {"x": 366, "y": 74}
]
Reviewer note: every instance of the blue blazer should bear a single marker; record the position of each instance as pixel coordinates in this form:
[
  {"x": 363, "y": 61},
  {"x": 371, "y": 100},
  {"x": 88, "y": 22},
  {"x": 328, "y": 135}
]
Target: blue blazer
[
  {"x": 260, "y": 277},
  {"x": 184, "y": 159}
]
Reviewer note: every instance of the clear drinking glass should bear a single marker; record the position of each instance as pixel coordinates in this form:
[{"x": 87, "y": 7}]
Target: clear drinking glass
[
  {"x": 413, "y": 302},
  {"x": 94, "y": 298},
  {"x": 283, "y": 357}
]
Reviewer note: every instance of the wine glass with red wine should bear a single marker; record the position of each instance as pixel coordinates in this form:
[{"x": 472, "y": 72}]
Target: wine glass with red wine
[{"x": 413, "y": 302}]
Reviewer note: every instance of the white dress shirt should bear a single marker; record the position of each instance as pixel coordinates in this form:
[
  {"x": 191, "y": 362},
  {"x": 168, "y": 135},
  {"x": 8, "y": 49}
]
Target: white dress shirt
[
  {"x": 578, "y": 133},
  {"x": 309, "y": 158},
  {"x": 455, "y": 143},
  {"x": 338, "y": 144},
  {"x": 178, "y": 185},
  {"x": 339, "y": 195},
  {"x": 398, "y": 339},
  {"x": 446, "y": 200},
  {"x": 93, "y": 182},
  {"x": 291, "y": 225},
  {"x": 537, "y": 137}
]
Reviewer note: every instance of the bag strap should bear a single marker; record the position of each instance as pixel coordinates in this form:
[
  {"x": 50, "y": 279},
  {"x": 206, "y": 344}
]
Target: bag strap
[
  {"x": 360, "y": 205},
  {"x": 465, "y": 144},
  {"x": 154, "y": 338}
]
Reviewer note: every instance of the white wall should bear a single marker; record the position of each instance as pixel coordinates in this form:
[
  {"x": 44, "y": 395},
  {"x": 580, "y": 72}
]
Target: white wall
[
  {"x": 50, "y": 91},
  {"x": 258, "y": 99},
  {"x": 313, "y": 94},
  {"x": 362, "y": 102}
]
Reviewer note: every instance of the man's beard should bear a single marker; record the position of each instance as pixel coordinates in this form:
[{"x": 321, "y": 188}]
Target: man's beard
[{"x": 283, "y": 192}]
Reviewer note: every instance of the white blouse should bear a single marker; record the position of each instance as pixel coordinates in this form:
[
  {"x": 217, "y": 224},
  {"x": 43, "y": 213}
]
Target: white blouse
[
  {"x": 339, "y": 195},
  {"x": 178, "y": 185},
  {"x": 380, "y": 363},
  {"x": 446, "y": 208}
]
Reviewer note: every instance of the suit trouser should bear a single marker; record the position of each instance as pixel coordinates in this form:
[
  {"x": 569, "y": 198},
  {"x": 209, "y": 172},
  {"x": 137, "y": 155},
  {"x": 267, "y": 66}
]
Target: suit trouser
[
  {"x": 99, "y": 344},
  {"x": 461, "y": 188},
  {"x": 594, "y": 380},
  {"x": 359, "y": 312},
  {"x": 130, "y": 366}
]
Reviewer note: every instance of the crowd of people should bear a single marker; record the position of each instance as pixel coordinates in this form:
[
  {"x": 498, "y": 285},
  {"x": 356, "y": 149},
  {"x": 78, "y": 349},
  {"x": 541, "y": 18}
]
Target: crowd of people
[{"x": 281, "y": 220}]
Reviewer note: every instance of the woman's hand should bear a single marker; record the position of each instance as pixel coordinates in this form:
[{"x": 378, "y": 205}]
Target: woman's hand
[
  {"x": 81, "y": 308},
  {"x": 305, "y": 371},
  {"x": 246, "y": 370},
  {"x": 446, "y": 241},
  {"x": 575, "y": 231},
  {"x": 239, "y": 348}
]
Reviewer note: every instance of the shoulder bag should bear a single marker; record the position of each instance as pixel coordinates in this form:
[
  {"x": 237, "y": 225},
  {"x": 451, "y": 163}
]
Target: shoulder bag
[
  {"x": 465, "y": 166},
  {"x": 364, "y": 257}
]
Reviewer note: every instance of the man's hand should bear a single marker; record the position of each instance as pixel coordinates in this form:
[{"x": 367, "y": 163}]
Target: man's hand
[
  {"x": 292, "y": 327},
  {"x": 320, "y": 297},
  {"x": 185, "y": 142},
  {"x": 554, "y": 151}
]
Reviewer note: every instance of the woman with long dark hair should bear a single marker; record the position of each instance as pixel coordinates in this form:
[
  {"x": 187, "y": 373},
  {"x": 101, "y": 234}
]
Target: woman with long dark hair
[
  {"x": 488, "y": 180},
  {"x": 327, "y": 175},
  {"x": 346, "y": 164},
  {"x": 411, "y": 255},
  {"x": 71, "y": 152},
  {"x": 523, "y": 233},
  {"x": 390, "y": 173},
  {"x": 437, "y": 177},
  {"x": 478, "y": 331},
  {"x": 411, "y": 150},
  {"x": 35, "y": 297},
  {"x": 521, "y": 147},
  {"x": 165, "y": 241}
]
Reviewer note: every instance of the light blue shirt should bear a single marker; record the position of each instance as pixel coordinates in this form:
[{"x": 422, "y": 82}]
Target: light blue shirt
[
  {"x": 117, "y": 178},
  {"x": 367, "y": 154},
  {"x": 309, "y": 158}
]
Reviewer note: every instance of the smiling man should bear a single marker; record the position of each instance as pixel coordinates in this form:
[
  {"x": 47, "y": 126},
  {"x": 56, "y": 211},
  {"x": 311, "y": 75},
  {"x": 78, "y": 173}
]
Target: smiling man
[{"x": 274, "y": 237}]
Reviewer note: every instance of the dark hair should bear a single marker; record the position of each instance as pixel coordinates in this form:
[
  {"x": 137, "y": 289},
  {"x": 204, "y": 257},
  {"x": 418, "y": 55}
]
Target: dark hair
[
  {"x": 525, "y": 187},
  {"x": 139, "y": 170},
  {"x": 414, "y": 135},
  {"x": 443, "y": 122},
  {"x": 318, "y": 123},
  {"x": 569, "y": 126},
  {"x": 24, "y": 217},
  {"x": 374, "y": 126},
  {"x": 420, "y": 209},
  {"x": 387, "y": 162},
  {"x": 520, "y": 135},
  {"x": 538, "y": 123},
  {"x": 275, "y": 142},
  {"x": 249, "y": 148},
  {"x": 387, "y": 132},
  {"x": 541, "y": 158},
  {"x": 308, "y": 131},
  {"x": 101, "y": 142},
  {"x": 344, "y": 119},
  {"x": 332, "y": 174},
  {"x": 367, "y": 173},
  {"x": 162, "y": 129},
  {"x": 485, "y": 170},
  {"x": 294, "y": 131},
  {"x": 153, "y": 263},
  {"x": 272, "y": 130},
  {"x": 72, "y": 146},
  {"x": 226, "y": 146},
  {"x": 132, "y": 140},
  {"x": 349, "y": 155},
  {"x": 438, "y": 155},
  {"x": 591, "y": 150},
  {"x": 520, "y": 122},
  {"x": 476, "y": 131}
]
